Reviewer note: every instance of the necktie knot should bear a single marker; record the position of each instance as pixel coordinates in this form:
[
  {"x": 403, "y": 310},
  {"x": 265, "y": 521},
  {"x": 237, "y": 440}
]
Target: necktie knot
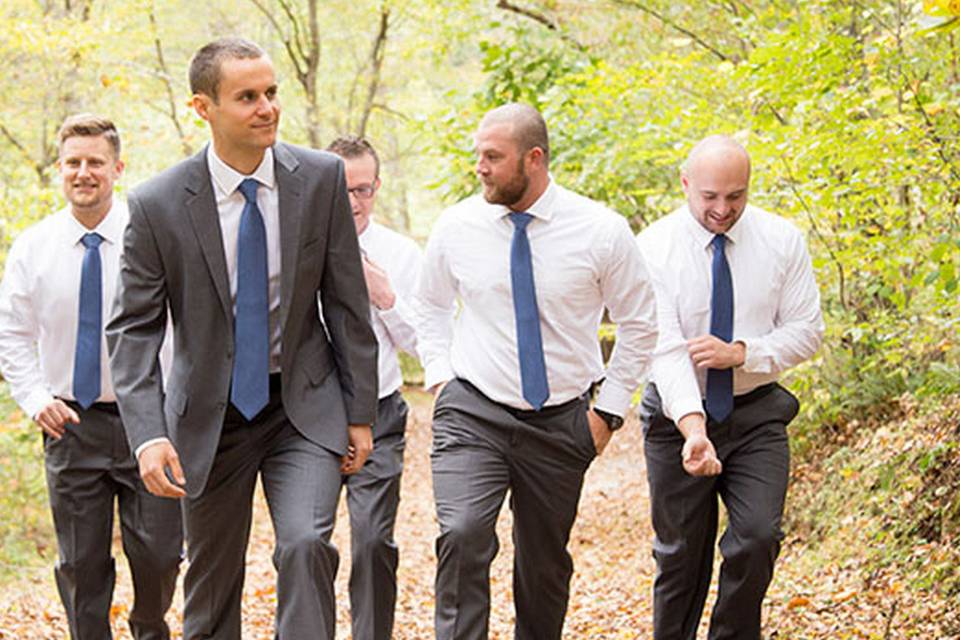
[
  {"x": 249, "y": 188},
  {"x": 91, "y": 240},
  {"x": 719, "y": 242},
  {"x": 520, "y": 220}
]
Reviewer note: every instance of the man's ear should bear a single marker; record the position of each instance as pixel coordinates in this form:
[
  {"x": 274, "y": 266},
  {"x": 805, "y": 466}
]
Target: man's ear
[
  {"x": 201, "y": 104},
  {"x": 536, "y": 156}
]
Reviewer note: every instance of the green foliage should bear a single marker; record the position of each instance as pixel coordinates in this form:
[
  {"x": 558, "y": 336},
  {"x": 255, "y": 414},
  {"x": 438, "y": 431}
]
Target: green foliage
[
  {"x": 26, "y": 532},
  {"x": 891, "y": 492}
]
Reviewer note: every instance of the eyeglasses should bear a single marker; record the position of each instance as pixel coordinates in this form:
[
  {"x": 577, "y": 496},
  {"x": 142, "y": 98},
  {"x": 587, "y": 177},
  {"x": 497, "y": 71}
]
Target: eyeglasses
[{"x": 364, "y": 192}]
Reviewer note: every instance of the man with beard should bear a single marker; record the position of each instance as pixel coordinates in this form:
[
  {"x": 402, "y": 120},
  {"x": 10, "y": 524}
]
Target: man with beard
[
  {"x": 238, "y": 242},
  {"x": 57, "y": 287},
  {"x": 738, "y": 305},
  {"x": 533, "y": 266}
]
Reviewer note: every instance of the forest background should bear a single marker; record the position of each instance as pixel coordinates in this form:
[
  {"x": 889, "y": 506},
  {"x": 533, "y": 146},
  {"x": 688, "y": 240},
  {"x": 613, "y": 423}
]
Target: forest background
[{"x": 849, "y": 109}]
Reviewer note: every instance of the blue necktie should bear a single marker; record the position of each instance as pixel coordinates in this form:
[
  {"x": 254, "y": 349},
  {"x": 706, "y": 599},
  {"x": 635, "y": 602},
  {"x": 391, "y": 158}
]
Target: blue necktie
[
  {"x": 720, "y": 381},
  {"x": 250, "y": 389},
  {"x": 86, "y": 361},
  {"x": 533, "y": 369}
]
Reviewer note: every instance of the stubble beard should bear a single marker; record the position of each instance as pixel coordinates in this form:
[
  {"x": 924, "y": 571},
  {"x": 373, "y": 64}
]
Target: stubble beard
[{"x": 511, "y": 192}]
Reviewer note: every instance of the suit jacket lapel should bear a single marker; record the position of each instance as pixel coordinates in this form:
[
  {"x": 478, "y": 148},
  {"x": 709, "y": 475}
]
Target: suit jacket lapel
[
  {"x": 201, "y": 206},
  {"x": 290, "y": 184}
]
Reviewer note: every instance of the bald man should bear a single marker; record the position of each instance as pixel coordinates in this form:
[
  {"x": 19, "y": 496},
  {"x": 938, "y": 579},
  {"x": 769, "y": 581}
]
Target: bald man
[
  {"x": 533, "y": 266},
  {"x": 737, "y": 305}
]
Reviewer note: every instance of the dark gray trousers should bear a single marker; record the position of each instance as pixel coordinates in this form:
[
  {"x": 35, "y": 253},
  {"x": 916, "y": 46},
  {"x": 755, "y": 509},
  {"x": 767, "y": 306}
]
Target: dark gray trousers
[
  {"x": 752, "y": 445},
  {"x": 86, "y": 470},
  {"x": 301, "y": 481},
  {"x": 373, "y": 496},
  {"x": 480, "y": 450}
]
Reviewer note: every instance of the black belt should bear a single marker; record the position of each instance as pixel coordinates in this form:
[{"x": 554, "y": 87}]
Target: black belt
[
  {"x": 106, "y": 407},
  {"x": 520, "y": 414},
  {"x": 275, "y": 383},
  {"x": 754, "y": 395}
]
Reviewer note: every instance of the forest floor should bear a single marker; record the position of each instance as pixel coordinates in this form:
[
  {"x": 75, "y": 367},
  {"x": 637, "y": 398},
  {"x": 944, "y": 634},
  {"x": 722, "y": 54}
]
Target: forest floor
[{"x": 811, "y": 596}]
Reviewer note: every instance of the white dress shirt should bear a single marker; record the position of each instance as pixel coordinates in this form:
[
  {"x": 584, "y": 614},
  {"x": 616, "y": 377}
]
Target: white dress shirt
[
  {"x": 40, "y": 305},
  {"x": 776, "y": 301},
  {"x": 584, "y": 258},
  {"x": 230, "y": 202},
  {"x": 400, "y": 257}
]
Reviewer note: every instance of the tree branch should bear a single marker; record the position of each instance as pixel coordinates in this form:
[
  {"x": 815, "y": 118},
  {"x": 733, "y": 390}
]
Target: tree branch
[
  {"x": 295, "y": 25},
  {"x": 792, "y": 182},
  {"x": 291, "y": 53},
  {"x": 376, "y": 65},
  {"x": 932, "y": 132},
  {"x": 164, "y": 76},
  {"x": 540, "y": 18},
  {"x": 673, "y": 25}
]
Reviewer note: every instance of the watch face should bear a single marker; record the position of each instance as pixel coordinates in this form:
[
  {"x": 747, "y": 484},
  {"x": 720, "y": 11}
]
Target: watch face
[{"x": 614, "y": 422}]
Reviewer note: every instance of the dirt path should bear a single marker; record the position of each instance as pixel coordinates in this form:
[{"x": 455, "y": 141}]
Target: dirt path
[
  {"x": 610, "y": 545},
  {"x": 610, "y": 590}
]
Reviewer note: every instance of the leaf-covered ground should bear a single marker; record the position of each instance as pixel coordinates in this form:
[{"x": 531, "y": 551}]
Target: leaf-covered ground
[{"x": 810, "y": 598}]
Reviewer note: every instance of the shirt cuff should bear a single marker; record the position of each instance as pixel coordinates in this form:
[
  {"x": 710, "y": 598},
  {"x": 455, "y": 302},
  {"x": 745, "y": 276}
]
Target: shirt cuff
[
  {"x": 36, "y": 401},
  {"x": 613, "y": 398},
  {"x": 390, "y": 315},
  {"x": 145, "y": 445},
  {"x": 753, "y": 358},
  {"x": 682, "y": 408},
  {"x": 437, "y": 371}
]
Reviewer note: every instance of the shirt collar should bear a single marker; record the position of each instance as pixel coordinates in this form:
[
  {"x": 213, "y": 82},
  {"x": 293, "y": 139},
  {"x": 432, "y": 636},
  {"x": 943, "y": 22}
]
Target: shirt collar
[
  {"x": 368, "y": 234},
  {"x": 110, "y": 228},
  {"x": 226, "y": 179},
  {"x": 542, "y": 208},
  {"x": 704, "y": 237}
]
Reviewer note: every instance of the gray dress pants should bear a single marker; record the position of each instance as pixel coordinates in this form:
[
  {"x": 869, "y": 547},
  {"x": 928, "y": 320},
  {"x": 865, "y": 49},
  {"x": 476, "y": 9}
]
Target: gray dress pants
[
  {"x": 752, "y": 445},
  {"x": 373, "y": 496},
  {"x": 87, "y": 469},
  {"x": 480, "y": 450},
  {"x": 301, "y": 481}
]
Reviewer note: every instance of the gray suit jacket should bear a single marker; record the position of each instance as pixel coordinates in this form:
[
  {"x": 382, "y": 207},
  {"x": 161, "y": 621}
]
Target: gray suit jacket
[{"x": 174, "y": 259}]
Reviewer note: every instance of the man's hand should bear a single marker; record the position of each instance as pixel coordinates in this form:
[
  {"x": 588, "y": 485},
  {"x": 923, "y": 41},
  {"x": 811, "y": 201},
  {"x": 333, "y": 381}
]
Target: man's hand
[
  {"x": 359, "y": 449},
  {"x": 710, "y": 352},
  {"x": 699, "y": 457},
  {"x": 599, "y": 430},
  {"x": 698, "y": 453},
  {"x": 54, "y": 417},
  {"x": 378, "y": 285},
  {"x": 154, "y": 462}
]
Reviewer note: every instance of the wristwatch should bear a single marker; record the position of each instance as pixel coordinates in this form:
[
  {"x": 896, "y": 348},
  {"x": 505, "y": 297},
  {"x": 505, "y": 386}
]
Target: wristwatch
[{"x": 614, "y": 422}]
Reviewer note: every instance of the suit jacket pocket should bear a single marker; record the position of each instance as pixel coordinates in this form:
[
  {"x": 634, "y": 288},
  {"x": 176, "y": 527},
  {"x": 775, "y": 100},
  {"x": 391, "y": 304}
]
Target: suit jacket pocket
[
  {"x": 318, "y": 367},
  {"x": 177, "y": 402}
]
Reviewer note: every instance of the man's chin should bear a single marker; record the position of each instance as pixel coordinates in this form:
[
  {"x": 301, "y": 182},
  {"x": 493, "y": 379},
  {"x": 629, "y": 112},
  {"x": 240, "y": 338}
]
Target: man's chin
[{"x": 493, "y": 195}]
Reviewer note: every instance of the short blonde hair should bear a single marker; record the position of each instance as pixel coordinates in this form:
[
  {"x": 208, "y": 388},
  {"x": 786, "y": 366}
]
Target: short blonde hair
[{"x": 87, "y": 124}]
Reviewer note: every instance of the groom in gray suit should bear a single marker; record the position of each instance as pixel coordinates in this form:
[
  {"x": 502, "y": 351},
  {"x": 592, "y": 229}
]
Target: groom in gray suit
[{"x": 236, "y": 243}]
